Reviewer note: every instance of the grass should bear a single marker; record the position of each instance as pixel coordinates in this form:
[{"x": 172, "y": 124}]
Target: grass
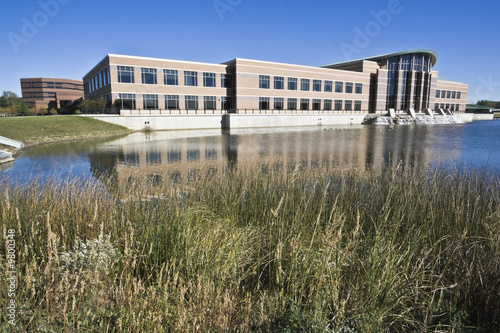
[
  {"x": 496, "y": 116},
  {"x": 259, "y": 249},
  {"x": 33, "y": 130}
]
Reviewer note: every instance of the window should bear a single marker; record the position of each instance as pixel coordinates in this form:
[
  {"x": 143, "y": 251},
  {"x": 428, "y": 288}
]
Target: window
[
  {"x": 190, "y": 79},
  {"x": 316, "y": 85},
  {"x": 438, "y": 93},
  {"x": 278, "y": 103},
  {"x": 210, "y": 103},
  {"x": 223, "y": 103},
  {"x": 452, "y": 107},
  {"x": 328, "y": 86},
  {"x": 358, "y": 88},
  {"x": 448, "y": 94},
  {"x": 150, "y": 102},
  {"x": 338, "y": 105},
  {"x": 304, "y": 84},
  {"x": 170, "y": 77},
  {"x": 304, "y": 104},
  {"x": 327, "y": 105},
  {"x": 292, "y": 104},
  {"x": 357, "y": 105},
  {"x": 127, "y": 101},
  {"x": 316, "y": 104},
  {"x": 348, "y": 105},
  {"x": 443, "y": 93},
  {"x": 441, "y": 106},
  {"x": 459, "y": 95},
  {"x": 447, "y": 106},
  {"x": 453, "y": 95},
  {"x": 148, "y": 75},
  {"x": 223, "y": 82},
  {"x": 125, "y": 74},
  {"x": 172, "y": 102},
  {"x": 279, "y": 82},
  {"x": 264, "y": 103},
  {"x": 191, "y": 102},
  {"x": 348, "y": 87},
  {"x": 264, "y": 81},
  {"x": 457, "y": 107},
  {"x": 209, "y": 79},
  {"x": 339, "y": 87},
  {"x": 436, "y": 107},
  {"x": 292, "y": 83}
]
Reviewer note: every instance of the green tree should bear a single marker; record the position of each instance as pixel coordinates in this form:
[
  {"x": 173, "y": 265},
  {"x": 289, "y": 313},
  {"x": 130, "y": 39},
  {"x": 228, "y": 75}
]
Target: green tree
[
  {"x": 22, "y": 109},
  {"x": 11, "y": 99},
  {"x": 93, "y": 104}
]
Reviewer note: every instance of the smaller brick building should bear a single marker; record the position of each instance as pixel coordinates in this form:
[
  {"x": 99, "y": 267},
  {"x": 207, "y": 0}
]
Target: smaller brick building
[{"x": 50, "y": 93}]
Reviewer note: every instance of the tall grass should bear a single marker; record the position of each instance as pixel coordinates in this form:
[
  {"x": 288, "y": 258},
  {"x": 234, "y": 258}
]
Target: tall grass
[{"x": 281, "y": 249}]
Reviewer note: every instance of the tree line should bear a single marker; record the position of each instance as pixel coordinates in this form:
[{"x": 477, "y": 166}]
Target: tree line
[{"x": 490, "y": 104}]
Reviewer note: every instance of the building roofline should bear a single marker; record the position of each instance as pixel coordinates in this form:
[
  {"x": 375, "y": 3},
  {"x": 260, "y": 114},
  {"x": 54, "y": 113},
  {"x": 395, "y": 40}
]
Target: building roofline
[
  {"x": 163, "y": 59},
  {"x": 389, "y": 55},
  {"x": 49, "y": 78}
]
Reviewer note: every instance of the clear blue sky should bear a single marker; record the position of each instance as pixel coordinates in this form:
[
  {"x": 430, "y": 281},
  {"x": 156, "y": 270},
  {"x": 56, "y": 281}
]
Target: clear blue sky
[{"x": 66, "y": 38}]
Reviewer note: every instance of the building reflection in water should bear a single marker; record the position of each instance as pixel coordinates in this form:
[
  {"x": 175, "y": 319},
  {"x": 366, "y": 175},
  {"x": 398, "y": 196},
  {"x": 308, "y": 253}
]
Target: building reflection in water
[{"x": 177, "y": 157}]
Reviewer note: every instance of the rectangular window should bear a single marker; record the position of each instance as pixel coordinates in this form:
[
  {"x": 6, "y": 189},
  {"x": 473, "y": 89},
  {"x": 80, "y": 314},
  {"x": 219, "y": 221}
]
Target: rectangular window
[
  {"x": 357, "y": 105},
  {"x": 148, "y": 75},
  {"x": 339, "y": 87},
  {"x": 438, "y": 93},
  {"x": 304, "y": 104},
  {"x": 191, "y": 102},
  {"x": 448, "y": 94},
  {"x": 348, "y": 105},
  {"x": 304, "y": 84},
  {"x": 292, "y": 104},
  {"x": 316, "y": 85},
  {"x": 172, "y": 102},
  {"x": 279, "y": 82},
  {"x": 223, "y": 103},
  {"x": 264, "y": 81},
  {"x": 436, "y": 107},
  {"x": 316, "y": 104},
  {"x": 338, "y": 105},
  {"x": 264, "y": 103},
  {"x": 127, "y": 101},
  {"x": 292, "y": 83},
  {"x": 278, "y": 103},
  {"x": 209, "y": 79},
  {"x": 327, "y": 105},
  {"x": 443, "y": 93},
  {"x": 223, "y": 82},
  {"x": 190, "y": 79},
  {"x": 348, "y": 87},
  {"x": 150, "y": 102},
  {"x": 358, "y": 88},
  {"x": 459, "y": 95},
  {"x": 452, "y": 107},
  {"x": 170, "y": 77},
  {"x": 453, "y": 95},
  {"x": 447, "y": 106},
  {"x": 457, "y": 107},
  {"x": 442, "y": 106},
  {"x": 210, "y": 102},
  {"x": 125, "y": 74},
  {"x": 328, "y": 86}
]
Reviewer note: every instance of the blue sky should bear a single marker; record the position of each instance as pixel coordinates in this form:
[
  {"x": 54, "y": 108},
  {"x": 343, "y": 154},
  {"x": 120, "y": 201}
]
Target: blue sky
[{"x": 66, "y": 38}]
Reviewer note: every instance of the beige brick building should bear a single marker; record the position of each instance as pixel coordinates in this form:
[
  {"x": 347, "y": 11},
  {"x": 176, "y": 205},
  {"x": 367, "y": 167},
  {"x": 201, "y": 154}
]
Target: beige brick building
[{"x": 399, "y": 81}]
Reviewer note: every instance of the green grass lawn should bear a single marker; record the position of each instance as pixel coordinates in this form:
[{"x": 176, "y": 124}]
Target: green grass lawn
[{"x": 32, "y": 130}]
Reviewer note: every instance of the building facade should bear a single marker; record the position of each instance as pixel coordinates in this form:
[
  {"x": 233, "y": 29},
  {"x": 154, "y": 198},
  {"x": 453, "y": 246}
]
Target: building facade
[
  {"x": 50, "y": 93},
  {"x": 400, "y": 81}
]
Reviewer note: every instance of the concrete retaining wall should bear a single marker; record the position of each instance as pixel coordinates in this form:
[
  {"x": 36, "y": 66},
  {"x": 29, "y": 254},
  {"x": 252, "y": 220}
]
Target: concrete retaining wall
[
  {"x": 259, "y": 121},
  {"x": 466, "y": 117},
  {"x": 11, "y": 143},
  {"x": 163, "y": 122},
  {"x": 480, "y": 116}
]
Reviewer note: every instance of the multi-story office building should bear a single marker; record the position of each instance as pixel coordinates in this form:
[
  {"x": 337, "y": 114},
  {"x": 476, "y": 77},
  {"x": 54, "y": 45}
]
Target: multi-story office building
[
  {"x": 50, "y": 93},
  {"x": 400, "y": 81}
]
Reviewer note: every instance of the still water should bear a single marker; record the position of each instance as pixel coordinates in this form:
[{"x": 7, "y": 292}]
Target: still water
[{"x": 183, "y": 154}]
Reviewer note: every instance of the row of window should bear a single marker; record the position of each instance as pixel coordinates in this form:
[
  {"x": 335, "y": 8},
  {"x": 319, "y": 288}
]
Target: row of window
[
  {"x": 448, "y": 94},
  {"x": 170, "y": 77},
  {"x": 305, "y": 104},
  {"x": 52, "y": 85},
  {"x": 451, "y": 107},
  {"x": 98, "y": 81},
  {"x": 305, "y": 85},
  {"x": 39, "y": 94},
  {"x": 150, "y": 102}
]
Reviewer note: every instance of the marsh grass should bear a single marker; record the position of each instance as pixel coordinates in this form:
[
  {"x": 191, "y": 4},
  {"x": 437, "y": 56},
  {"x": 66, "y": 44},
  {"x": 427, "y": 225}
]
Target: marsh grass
[{"x": 288, "y": 249}]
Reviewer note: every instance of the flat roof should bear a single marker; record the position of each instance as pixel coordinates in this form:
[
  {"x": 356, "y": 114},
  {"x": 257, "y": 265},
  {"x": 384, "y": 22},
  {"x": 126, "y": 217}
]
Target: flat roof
[{"x": 389, "y": 55}]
